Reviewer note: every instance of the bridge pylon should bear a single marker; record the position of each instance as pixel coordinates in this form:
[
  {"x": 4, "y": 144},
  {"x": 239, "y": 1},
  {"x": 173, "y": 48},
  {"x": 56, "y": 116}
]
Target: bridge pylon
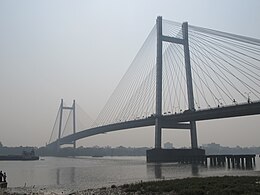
[
  {"x": 158, "y": 114},
  {"x": 159, "y": 65},
  {"x": 73, "y": 108}
]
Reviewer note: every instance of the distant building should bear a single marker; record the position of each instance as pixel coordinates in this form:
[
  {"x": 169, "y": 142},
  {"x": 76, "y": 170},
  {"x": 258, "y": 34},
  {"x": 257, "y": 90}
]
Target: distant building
[
  {"x": 168, "y": 145},
  {"x": 211, "y": 145}
]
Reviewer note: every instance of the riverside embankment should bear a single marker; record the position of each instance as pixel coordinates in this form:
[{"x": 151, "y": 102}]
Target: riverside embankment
[{"x": 208, "y": 185}]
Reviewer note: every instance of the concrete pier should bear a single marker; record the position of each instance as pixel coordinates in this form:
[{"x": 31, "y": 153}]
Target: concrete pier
[
  {"x": 197, "y": 156},
  {"x": 186, "y": 156}
]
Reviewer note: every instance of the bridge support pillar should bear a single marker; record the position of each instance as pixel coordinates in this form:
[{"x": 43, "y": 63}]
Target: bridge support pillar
[
  {"x": 74, "y": 121},
  {"x": 193, "y": 130},
  {"x": 60, "y": 125},
  {"x": 193, "y": 134},
  {"x": 158, "y": 133},
  {"x": 158, "y": 126}
]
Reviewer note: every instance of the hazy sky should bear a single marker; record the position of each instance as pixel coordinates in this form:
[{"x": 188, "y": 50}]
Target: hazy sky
[{"x": 81, "y": 49}]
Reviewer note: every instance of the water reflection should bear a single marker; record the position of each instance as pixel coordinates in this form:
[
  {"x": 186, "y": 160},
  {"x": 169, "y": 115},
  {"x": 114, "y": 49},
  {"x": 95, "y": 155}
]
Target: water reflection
[
  {"x": 86, "y": 172},
  {"x": 171, "y": 170},
  {"x": 58, "y": 176},
  {"x": 158, "y": 170},
  {"x": 195, "y": 169},
  {"x": 65, "y": 175},
  {"x": 72, "y": 176}
]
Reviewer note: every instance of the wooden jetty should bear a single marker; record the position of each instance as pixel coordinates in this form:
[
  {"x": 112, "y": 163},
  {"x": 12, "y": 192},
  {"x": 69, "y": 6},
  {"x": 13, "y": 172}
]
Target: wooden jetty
[
  {"x": 198, "y": 156},
  {"x": 232, "y": 160},
  {"x": 220, "y": 160}
]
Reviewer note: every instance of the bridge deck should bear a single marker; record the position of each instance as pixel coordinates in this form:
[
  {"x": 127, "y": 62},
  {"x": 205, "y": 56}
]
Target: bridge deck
[{"x": 174, "y": 121}]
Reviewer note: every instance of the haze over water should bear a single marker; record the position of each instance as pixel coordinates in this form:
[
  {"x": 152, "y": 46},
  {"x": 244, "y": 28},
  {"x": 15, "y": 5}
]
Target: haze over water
[{"x": 72, "y": 174}]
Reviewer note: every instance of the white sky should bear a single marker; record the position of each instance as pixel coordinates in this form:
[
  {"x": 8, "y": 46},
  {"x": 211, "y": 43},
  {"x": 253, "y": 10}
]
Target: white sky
[{"x": 80, "y": 50}]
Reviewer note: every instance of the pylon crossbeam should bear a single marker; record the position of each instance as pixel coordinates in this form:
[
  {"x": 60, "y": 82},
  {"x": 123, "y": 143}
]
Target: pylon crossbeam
[
  {"x": 172, "y": 40},
  {"x": 68, "y": 108}
]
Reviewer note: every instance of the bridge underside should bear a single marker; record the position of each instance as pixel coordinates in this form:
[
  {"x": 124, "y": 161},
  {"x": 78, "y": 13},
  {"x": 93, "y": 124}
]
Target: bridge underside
[
  {"x": 174, "y": 121},
  {"x": 117, "y": 127}
]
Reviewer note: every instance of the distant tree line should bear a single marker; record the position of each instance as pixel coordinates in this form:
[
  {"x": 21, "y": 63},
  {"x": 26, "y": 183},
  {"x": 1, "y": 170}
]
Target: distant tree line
[
  {"x": 212, "y": 148},
  {"x": 80, "y": 151},
  {"x": 4, "y": 150},
  {"x": 95, "y": 151}
]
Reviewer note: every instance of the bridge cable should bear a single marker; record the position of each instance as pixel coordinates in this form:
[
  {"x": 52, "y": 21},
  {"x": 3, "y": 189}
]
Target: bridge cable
[
  {"x": 227, "y": 62},
  {"x": 54, "y": 124}
]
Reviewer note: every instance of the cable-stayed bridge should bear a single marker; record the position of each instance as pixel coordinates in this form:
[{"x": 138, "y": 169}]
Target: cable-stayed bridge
[{"x": 181, "y": 74}]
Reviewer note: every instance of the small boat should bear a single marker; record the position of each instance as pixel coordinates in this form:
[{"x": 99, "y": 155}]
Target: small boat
[
  {"x": 24, "y": 157},
  {"x": 99, "y": 156},
  {"x": 18, "y": 157}
]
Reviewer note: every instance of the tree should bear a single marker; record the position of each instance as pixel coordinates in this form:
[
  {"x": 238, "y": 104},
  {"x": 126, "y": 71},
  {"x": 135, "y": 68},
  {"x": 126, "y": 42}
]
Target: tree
[{"x": 1, "y": 145}]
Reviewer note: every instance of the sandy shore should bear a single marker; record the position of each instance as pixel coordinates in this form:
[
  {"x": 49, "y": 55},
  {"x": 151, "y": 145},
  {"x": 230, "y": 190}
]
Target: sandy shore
[
  {"x": 196, "y": 185},
  {"x": 114, "y": 190},
  {"x": 31, "y": 191}
]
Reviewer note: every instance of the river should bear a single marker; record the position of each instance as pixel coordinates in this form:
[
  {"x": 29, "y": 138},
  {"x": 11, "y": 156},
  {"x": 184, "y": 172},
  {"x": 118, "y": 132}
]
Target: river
[{"x": 72, "y": 174}]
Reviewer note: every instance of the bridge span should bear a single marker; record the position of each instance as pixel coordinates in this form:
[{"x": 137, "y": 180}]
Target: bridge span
[{"x": 172, "y": 121}]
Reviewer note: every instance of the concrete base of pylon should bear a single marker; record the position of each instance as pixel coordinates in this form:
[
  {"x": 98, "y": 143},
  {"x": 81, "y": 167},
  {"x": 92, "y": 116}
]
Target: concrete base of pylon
[{"x": 176, "y": 155}]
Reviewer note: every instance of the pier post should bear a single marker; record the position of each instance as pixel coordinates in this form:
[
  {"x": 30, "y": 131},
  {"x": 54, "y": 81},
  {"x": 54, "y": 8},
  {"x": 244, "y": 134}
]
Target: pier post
[
  {"x": 219, "y": 160},
  {"x": 250, "y": 162},
  {"x": 206, "y": 161},
  {"x": 228, "y": 161},
  {"x": 233, "y": 161},
  {"x": 215, "y": 161},
  {"x": 242, "y": 162},
  {"x": 238, "y": 161},
  {"x": 247, "y": 161},
  {"x": 211, "y": 161}
]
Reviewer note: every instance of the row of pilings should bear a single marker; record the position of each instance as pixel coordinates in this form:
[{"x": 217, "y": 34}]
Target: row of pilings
[{"x": 232, "y": 161}]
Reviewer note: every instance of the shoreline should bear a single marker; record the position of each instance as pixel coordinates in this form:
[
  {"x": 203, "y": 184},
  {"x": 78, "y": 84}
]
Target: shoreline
[{"x": 194, "y": 185}]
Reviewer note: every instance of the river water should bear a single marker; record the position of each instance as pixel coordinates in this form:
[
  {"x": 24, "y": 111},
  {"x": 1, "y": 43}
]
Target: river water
[{"x": 72, "y": 174}]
